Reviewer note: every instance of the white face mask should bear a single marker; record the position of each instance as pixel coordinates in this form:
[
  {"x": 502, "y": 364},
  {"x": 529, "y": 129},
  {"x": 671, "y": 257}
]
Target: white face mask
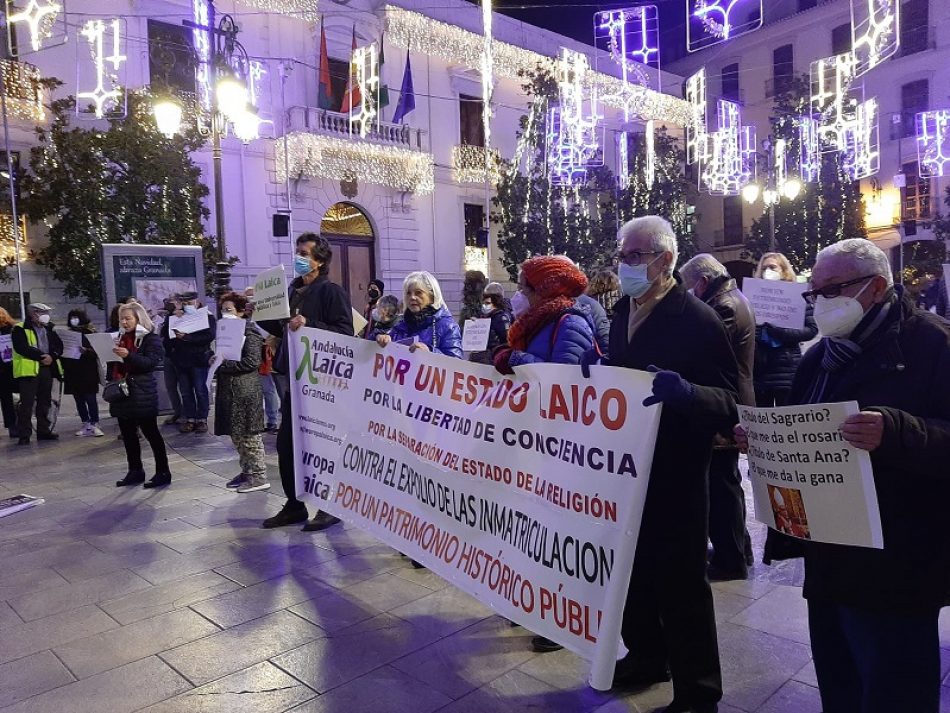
[
  {"x": 519, "y": 303},
  {"x": 74, "y": 321},
  {"x": 771, "y": 274},
  {"x": 228, "y": 315},
  {"x": 487, "y": 309},
  {"x": 189, "y": 309},
  {"x": 43, "y": 319},
  {"x": 838, "y": 316}
]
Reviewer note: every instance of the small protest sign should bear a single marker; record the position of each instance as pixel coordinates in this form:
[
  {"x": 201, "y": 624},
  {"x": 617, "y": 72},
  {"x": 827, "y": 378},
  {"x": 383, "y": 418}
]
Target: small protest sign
[
  {"x": 776, "y": 302},
  {"x": 103, "y": 343},
  {"x": 270, "y": 294},
  {"x": 6, "y": 348},
  {"x": 807, "y": 481},
  {"x": 188, "y": 323},
  {"x": 229, "y": 339},
  {"x": 72, "y": 343},
  {"x": 359, "y": 321},
  {"x": 475, "y": 335}
]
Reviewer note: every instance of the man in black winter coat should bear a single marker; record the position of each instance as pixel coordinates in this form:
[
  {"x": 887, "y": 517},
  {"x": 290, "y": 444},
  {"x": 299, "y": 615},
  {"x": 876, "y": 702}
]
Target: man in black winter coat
[
  {"x": 732, "y": 546},
  {"x": 668, "y": 623},
  {"x": 192, "y": 354},
  {"x": 314, "y": 302},
  {"x": 873, "y": 612},
  {"x": 36, "y": 352}
]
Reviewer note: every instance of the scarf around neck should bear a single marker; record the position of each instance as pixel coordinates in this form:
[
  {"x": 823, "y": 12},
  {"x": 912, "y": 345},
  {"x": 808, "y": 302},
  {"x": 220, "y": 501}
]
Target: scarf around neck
[{"x": 532, "y": 321}]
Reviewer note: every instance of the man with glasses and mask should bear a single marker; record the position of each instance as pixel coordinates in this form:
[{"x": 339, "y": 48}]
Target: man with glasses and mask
[
  {"x": 668, "y": 624},
  {"x": 872, "y": 613}
]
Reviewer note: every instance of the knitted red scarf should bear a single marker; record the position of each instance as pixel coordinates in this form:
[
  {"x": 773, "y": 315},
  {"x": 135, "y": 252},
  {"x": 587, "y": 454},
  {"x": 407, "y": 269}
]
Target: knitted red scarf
[{"x": 535, "y": 319}]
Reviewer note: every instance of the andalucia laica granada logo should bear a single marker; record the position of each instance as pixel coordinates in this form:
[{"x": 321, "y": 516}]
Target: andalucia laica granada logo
[{"x": 325, "y": 364}]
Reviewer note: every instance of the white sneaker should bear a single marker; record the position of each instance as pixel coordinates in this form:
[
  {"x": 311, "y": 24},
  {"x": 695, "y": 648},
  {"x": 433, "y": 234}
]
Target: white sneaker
[
  {"x": 94, "y": 430},
  {"x": 85, "y": 430}
]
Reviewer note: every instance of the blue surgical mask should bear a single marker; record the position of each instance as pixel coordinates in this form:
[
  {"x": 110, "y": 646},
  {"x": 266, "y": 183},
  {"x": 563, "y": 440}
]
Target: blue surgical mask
[
  {"x": 190, "y": 309},
  {"x": 487, "y": 309},
  {"x": 302, "y": 265},
  {"x": 633, "y": 279}
]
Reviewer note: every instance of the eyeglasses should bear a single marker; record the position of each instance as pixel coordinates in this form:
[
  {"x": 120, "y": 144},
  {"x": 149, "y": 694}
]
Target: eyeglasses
[
  {"x": 633, "y": 258},
  {"x": 831, "y": 291}
]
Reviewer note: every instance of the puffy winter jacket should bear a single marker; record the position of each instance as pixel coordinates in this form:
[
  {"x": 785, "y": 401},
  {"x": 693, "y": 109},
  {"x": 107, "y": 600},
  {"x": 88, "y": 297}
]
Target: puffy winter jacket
[
  {"x": 598, "y": 318},
  {"x": 561, "y": 341},
  {"x": 778, "y": 353},
  {"x": 439, "y": 332},
  {"x": 143, "y": 394}
]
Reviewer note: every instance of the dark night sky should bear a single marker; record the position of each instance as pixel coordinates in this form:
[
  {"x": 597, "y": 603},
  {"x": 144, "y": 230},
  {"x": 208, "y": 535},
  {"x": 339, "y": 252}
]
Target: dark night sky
[{"x": 575, "y": 18}]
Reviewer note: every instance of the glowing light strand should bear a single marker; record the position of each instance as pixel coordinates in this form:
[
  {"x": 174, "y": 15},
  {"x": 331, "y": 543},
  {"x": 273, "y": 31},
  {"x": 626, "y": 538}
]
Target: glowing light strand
[
  {"x": 710, "y": 22},
  {"x": 730, "y": 163},
  {"x": 366, "y": 63},
  {"x": 301, "y": 9},
  {"x": 860, "y": 151},
  {"x": 875, "y": 34},
  {"x": 809, "y": 160},
  {"x": 630, "y": 34},
  {"x": 832, "y": 99},
  {"x": 202, "y": 43},
  {"x": 39, "y": 18},
  {"x": 94, "y": 31},
  {"x": 469, "y": 163},
  {"x": 574, "y": 127},
  {"x": 696, "y": 129},
  {"x": 933, "y": 142}
]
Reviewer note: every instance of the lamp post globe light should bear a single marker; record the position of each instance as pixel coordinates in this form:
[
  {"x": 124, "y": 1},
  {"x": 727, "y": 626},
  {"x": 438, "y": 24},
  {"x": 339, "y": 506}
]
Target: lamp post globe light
[
  {"x": 228, "y": 101},
  {"x": 776, "y": 188}
]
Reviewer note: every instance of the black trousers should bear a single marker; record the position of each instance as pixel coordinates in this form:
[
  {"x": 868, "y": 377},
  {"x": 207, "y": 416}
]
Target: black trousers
[
  {"x": 668, "y": 621},
  {"x": 129, "y": 428},
  {"x": 767, "y": 398},
  {"x": 285, "y": 455},
  {"x": 6, "y": 399},
  {"x": 875, "y": 660},
  {"x": 727, "y": 512},
  {"x": 35, "y": 392}
]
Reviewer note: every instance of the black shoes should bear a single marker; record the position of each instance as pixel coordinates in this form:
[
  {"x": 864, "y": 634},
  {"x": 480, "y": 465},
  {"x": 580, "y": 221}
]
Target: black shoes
[
  {"x": 722, "y": 574},
  {"x": 23, "y": 441},
  {"x": 47, "y": 436},
  {"x": 321, "y": 521},
  {"x": 286, "y": 516},
  {"x": 133, "y": 477},
  {"x": 159, "y": 480},
  {"x": 543, "y": 645},
  {"x": 630, "y": 675}
]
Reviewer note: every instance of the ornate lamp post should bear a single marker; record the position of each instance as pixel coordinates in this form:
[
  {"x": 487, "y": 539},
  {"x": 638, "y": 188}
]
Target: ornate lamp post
[{"x": 776, "y": 187}]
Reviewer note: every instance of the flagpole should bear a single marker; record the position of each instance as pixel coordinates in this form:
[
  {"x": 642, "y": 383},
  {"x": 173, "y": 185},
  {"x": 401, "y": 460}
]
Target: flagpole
[
  {"x": 487, "y": 81},
  {"x": 285, "y": 69}
]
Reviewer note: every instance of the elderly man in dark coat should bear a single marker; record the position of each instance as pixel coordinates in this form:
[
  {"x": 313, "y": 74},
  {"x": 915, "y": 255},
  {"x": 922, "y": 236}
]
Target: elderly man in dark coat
[
  {"x": 668, "y": 623},
  {"x": 872, "y": 613},
  {"x": 732, "y": 547}
]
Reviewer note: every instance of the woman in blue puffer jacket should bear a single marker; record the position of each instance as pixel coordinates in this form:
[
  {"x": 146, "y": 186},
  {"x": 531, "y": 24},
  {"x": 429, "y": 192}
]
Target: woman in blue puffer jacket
[
  {"x": 550, "y": 326},
  {"x": 427, "y": 320}
]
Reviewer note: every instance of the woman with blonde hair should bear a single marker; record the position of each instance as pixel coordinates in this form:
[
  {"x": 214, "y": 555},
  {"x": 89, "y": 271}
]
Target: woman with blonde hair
[
  {"x": 605, "y": 288},
  {"x": 6, "y": 377},
  {"x": 778, "y": 350},
  {"x": 140, "y": 350}
]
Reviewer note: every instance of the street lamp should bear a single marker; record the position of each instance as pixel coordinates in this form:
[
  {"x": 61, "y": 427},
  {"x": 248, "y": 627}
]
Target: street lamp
[
  {"x": 777, "y": 185},
  {"x": 229, "y": 62}
]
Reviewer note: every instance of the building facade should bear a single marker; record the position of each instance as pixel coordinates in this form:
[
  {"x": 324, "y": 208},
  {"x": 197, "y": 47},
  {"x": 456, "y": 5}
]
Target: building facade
[
  {"x": 391, "y": 197},
  {"x": 753, "y": 68}
]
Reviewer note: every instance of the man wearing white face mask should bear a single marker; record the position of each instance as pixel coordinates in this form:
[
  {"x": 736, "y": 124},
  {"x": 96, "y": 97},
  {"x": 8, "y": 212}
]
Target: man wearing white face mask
[
  {"x": 36, "y": 352},
  {"x": 873, "y": 613},
  {"x": 669, "y": 624}
]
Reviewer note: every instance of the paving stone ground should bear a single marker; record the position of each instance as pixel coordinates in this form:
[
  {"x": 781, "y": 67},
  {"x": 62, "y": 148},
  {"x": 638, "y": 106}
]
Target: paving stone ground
[{"x": 120, "y": 600}]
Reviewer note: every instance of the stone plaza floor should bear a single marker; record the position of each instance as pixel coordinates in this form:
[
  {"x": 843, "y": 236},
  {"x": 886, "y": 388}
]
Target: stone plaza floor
[{"x": 119, "y": 600}]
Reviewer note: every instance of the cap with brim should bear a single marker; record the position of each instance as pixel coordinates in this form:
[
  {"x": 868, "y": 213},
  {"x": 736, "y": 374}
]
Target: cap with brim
[
  {"x": 39, "y": 307},
  {"x": 188, "y": 296},
  {"x": 494, "y": 288}
]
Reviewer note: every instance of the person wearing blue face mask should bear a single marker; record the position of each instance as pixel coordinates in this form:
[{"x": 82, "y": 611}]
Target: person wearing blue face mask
[
  {"x": 191, "y": 353},
  {"x": 669, "y": 624},
  {"x": 315, "y": 302}
]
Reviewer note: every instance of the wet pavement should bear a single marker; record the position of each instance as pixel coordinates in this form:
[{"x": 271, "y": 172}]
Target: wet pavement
[{"x": 127, "y": 600}]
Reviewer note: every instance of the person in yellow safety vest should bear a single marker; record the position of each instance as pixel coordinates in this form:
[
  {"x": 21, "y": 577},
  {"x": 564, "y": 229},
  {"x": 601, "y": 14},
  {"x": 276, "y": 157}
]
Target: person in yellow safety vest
[{"x": 36, "y": 352}]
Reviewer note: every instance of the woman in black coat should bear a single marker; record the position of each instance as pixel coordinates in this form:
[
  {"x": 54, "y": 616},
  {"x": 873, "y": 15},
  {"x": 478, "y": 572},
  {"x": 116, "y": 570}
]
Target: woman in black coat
[
  {"x": 6, "y": 377},
  {"x": 141, "y": 353},
  {"x": 778, "y": 351},
  {"x": 81, "y": 376}
]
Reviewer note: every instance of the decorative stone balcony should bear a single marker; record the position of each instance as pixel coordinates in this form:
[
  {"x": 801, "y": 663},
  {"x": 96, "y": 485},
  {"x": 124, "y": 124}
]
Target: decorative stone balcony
[{"x": 332, "y": 123}]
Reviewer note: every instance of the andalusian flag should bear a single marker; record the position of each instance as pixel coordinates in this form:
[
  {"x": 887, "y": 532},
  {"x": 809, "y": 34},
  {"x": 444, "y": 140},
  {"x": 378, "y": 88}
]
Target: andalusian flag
[
  {"x": 383, "y": 88},
  {"x": 352, "y": 98},
  {"x": 325, "y": 91}
]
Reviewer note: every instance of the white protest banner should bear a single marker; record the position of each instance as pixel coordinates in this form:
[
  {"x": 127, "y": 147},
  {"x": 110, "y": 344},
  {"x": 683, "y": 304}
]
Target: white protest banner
[
  {"x": 525, "y": 491},
  {"x": 6, "y": 348},
  {"x": 475, "y": 335},
  {"x": 188, "y": 323},
  {"x": 270, "y": 294},
  {"x": 103, "y": 343},
  {"x": 359, "y": 321},
  {"x": 72, "y": 343},
  {"x": 807, "y": 481},
  {"x": 229, "y": 338},
  {"x": 777, "y": 302}
]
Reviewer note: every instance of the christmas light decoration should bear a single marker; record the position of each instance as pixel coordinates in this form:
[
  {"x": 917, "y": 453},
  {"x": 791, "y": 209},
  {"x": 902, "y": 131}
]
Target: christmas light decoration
[
  {"x": 933, "y": 142},
  {"x": 809, "y": 160},
  {"x": 8, "y": 240},
  {"x": 366, "y": 63},
  {"x": 476, "y": 259},
  {"x": 301, "y": 9},
  {"x": 861, "y": 151},
  {"x": 94, "y": 31},
  {"x": 422, "y": 34},
  {"x": 875, "y": 34},
  {"x": 469, "y": 164},
  {"x": 255, "y": 80},
  {"x": 487, "y": 71},
  {"x": 21, "y": 84},
  {"x": 779, "y": 164},
  {"x": 649, "y": 159},
  {"x": 710, "y": 22},
  {"x": 832, "y": 99},
  {"x": 344, "y": 159},
  {"x": 574, "y": 131},
  {"x": 696, "y": 131},
  {"x": 630, "y": 34},
  {"x": 39, "y": 17},
  {"x": 730, "y": 162},
  {"x": 202, "y": 44}
]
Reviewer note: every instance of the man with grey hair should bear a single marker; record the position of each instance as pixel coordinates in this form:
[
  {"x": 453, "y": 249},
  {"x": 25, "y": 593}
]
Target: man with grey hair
[
  {"x": 872, "y": 613},
  {"x": 669, "y": 625},
  {"x": 709, "y": 280}
]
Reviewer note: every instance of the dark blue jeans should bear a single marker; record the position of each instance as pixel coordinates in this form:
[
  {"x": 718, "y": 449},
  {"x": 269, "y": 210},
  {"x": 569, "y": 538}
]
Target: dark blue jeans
[
  {"x": 192, "y": 383},
  {"x": 875, "y": 661},
  {"x": 88, "y": 407},
  {"x": 171, "y": 386}
]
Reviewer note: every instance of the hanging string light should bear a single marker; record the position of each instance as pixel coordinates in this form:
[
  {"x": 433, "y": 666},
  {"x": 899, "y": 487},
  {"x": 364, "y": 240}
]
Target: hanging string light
[{"x": 104, "y": 100}]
